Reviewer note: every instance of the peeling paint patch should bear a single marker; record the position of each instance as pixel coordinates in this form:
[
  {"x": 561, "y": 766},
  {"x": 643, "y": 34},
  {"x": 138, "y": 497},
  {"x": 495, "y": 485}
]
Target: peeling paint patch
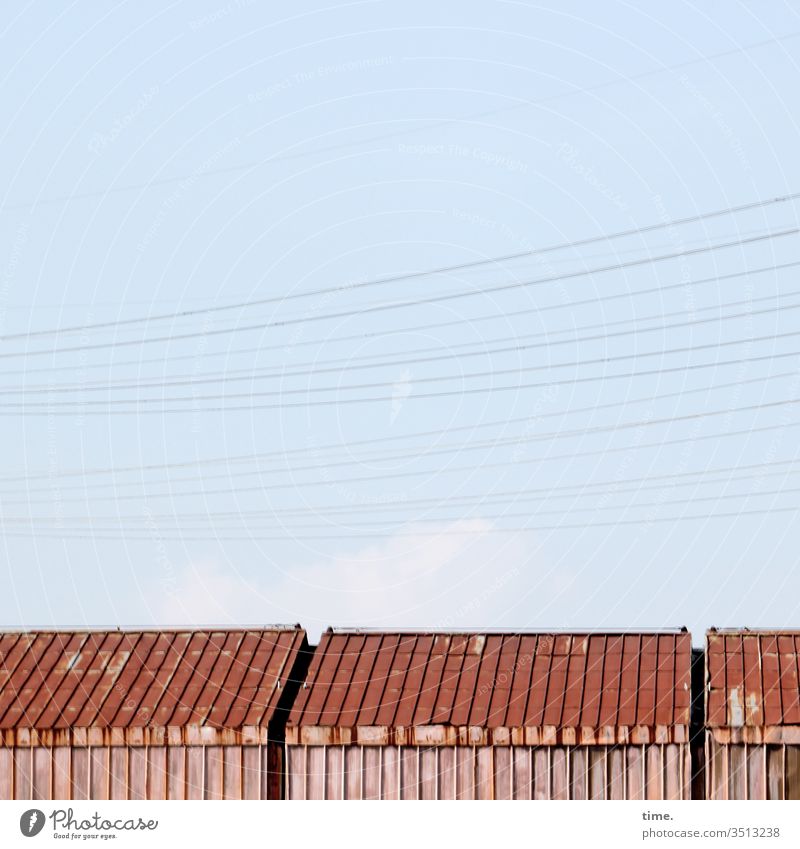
[{"x": 736, "y": 708}]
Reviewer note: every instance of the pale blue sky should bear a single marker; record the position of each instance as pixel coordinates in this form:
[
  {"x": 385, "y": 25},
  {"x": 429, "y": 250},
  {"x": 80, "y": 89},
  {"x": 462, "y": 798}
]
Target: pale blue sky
[{"x": 159, "y": 157}]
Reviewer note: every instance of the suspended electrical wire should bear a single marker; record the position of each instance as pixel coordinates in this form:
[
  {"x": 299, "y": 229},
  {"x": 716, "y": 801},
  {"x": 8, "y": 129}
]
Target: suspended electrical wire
[
  {"x": 394, "y": 438},
  {"x": 383, "y": 476},
  {"x": 511, "y": 498},
  {"x": 302, "y": 343},
  {"x": 460, "y": 517},
  {"x": 313, "y": 390},
  {"x": 358, "y": 364},
  {"x": 314, "y": 317},
  {"x": 418, "y": 453},
  {"x": 456, "y": 530}
]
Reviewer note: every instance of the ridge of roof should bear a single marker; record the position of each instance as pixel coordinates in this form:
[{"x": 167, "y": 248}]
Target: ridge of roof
[
  {"x": 755, "y": 632},
  {"x": 354, "y": 631},
  {"x": 153, "y": 629}
]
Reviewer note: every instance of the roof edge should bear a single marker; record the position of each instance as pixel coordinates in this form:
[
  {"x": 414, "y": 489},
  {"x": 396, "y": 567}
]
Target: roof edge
[
  {"x": 755, "y": 632},
  {"x": 152, "y": 629},
  {"x": 510, "y": 631}
]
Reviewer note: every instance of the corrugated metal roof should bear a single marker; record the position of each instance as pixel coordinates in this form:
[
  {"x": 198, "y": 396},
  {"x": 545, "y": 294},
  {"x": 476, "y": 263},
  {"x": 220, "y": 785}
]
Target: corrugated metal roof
[
  {"x": 753, "y": 679},
  {"x": 144, "y": 679},
  {"x": 496, "y": 680}
]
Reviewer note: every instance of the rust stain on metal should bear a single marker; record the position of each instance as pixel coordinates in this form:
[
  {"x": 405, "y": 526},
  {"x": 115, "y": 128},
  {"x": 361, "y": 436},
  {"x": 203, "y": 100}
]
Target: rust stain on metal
[
  {"x": 411, "y": 687},
  {"x": 752, "y": 679},
  {"x": 124, "y": 686}
]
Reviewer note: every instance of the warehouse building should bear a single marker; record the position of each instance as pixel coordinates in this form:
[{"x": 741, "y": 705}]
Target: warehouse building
[
  {"x": 145, "y": 714},
  {"x": 493, "y": 716},
  {"x": 752, "y": 714}
]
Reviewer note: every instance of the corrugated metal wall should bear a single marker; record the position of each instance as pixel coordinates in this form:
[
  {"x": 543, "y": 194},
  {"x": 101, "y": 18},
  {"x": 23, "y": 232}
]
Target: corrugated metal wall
[
  {"x": 752, "y": 771},
  {"x": 141, "y": 772},
  {"x": 652, "y": 771}
]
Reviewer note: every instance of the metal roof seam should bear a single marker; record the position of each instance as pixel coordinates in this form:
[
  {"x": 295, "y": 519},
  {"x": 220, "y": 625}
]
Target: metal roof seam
[
  {"x": 271, "y": 705},
  {"x": 5, "y": 654},
  {"x": 372, "y": 666},
  {"x": 761, "y": 673},
  {"x": 408, "y": 703},
  {"x": 252, "y": 708},
  {"x": 29, "y": 676},
  {"x": 304, "y": 703},
  {"x": 137, "y": 673},
  {"x": 490, "y": 684},
  {"x": 596, "y": 699},
  {"x": 529, "y": 687},
  {"x": 434, "y": 685},
  {"x": 112, "y": 684},
  {"x": 781, "y": 669},
  {"x": 752, "y": 681},
  {"x": 335, "y": 662},
  {"x": 579, "y": 682},
  {"x": 474, "y": 687},
  {"x": 243, "y": 665},
  {"x": 458, "y": 691},
  {"x": 637, "y": 689},
  {"x": 62, "y": 684},
  {"x": 381, "y": 685},
  {"x": 144, "y": 707},
  {"x": 50, "y": 680},
  {"x": 179, "y": 655},
  {"x": 586, "y": 696},
  {"x": 331, "y": 706},
  {"x": 554, "y": 701},
  {"x": 405, "y": 678},
  {"x": 674, "y": 677},
  {"x": 114, "y": 639},
  {"x": 82, "y": 679},
  {"x": 512, "y": 677},
  {"x": 225, "y": 653},
  {"x": 543, "y": 658}
]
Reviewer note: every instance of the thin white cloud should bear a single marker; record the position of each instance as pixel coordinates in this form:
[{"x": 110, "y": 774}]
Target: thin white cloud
[{"x": 433, "y": 578}]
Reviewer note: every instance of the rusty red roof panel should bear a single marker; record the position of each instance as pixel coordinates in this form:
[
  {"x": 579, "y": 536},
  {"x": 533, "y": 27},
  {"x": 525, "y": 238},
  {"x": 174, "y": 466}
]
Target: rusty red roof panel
[
  {"x": 496, "y": 680},
  {"x": 753, "y": 678},
  {"x": 122, "y": 679}
]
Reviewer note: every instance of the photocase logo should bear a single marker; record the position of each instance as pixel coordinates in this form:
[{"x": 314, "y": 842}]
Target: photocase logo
[{"x": 32, "y": 822}]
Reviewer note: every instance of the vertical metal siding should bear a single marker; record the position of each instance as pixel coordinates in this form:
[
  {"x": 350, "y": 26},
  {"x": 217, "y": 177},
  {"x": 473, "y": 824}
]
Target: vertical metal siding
[
  {"x": 654, "y": 771},
  {"x": 752, "y": 771},
  {"x": 141, "y": 772}
]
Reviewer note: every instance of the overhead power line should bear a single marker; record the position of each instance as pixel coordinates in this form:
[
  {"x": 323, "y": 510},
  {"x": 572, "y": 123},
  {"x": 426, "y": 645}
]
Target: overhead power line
[
  {"x": 450, "y": 531},
  {"x": 94, "y": 303},
  {"x": 44, "y": 409},
  {"x": 393, "y": 439},
  {"x": 383, "y": 476},
  {"x": 357, "y": 364},
  {"x": 416, "y": 453},
  {"x": 307, "y": 391},
  {"x": 350, "y": 287},
  {"x": 302, "y": 343},
  {"x": 515, "y": 497},
  {"x": 349, "y": 524},
  {"x": 402, "y": 304}
]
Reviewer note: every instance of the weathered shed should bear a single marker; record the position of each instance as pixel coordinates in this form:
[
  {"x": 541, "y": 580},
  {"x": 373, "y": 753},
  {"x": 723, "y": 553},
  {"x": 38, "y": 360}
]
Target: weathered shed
[
  {"x": 145, "y": 714},
  {"x": 492, "y": 716},
  {"x": 752, "y": 714}
]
